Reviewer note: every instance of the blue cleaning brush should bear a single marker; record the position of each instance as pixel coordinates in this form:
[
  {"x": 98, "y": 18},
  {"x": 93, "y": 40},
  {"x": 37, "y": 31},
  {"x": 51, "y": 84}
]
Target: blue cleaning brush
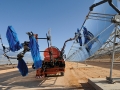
[
  {"x": 34, "y": 47},
  {"x": 12, "y": 38},
  {"x": 23, "y": 69}
]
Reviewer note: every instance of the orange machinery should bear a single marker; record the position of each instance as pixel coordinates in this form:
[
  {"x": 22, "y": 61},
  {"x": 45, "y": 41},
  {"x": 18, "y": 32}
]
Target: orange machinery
[{"x": 53, "y": 62}]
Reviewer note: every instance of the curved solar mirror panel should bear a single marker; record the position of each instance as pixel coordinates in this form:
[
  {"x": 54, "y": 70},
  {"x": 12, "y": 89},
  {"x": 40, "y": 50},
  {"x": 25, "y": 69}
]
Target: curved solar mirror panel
[{"x": 95, "y": 32}]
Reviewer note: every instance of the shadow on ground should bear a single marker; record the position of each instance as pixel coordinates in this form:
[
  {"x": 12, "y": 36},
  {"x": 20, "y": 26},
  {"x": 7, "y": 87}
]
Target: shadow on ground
[
  {"x": 103, "y": 64},
  {"x": 14, "y": 81}
]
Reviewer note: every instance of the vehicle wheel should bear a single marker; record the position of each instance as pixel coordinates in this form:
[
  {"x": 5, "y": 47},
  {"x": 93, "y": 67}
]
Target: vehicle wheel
[
  {"x": 33, "y": 66},
  {"x": 45, "y": 75},
  {"x": 62, "y": 73}
]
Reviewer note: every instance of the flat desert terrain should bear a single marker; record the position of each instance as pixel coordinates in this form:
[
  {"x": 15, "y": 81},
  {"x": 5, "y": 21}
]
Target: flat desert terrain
[{"x": 75, "y": 77}]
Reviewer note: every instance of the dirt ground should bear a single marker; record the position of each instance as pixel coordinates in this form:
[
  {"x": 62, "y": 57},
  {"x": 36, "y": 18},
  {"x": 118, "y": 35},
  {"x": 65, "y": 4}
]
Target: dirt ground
[{"x": 75, "y": 77}]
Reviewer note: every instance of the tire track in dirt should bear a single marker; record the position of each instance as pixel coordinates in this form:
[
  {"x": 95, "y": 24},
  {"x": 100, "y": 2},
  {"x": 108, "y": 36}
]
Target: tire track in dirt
[{"x": 71, "y": 79}]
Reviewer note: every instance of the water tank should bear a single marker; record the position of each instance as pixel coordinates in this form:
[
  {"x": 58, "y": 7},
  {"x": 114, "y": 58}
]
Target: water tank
[{"x": 54, "y": 51}]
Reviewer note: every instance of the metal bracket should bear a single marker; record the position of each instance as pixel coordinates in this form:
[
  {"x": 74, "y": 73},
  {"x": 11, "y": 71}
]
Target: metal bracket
[
  {"x": 116, "y": 19},
  {"x": 104, "y": 1}
]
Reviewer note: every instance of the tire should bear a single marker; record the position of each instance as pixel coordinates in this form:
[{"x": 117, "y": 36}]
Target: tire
[
  {"x": 62, "y": 73},
  {"x": 33, "y": 67},
  {"x": 45, "y": 75}
]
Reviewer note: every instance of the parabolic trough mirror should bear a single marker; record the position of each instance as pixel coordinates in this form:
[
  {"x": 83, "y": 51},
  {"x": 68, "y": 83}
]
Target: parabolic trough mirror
[{"x": 94, "y": 32}]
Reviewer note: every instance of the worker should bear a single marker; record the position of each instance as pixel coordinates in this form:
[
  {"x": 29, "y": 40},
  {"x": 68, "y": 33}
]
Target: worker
[
  {"x": 78, "y": 37},
  {"x": 88, "y": 36}
]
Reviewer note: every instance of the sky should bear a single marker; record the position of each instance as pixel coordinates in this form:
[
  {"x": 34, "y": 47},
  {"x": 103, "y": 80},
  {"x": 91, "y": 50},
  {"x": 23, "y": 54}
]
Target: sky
[{"x": 62, "y": 17}]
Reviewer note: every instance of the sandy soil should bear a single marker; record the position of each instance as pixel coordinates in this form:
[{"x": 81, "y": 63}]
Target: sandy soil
[{"x": 75, "y": 78}]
